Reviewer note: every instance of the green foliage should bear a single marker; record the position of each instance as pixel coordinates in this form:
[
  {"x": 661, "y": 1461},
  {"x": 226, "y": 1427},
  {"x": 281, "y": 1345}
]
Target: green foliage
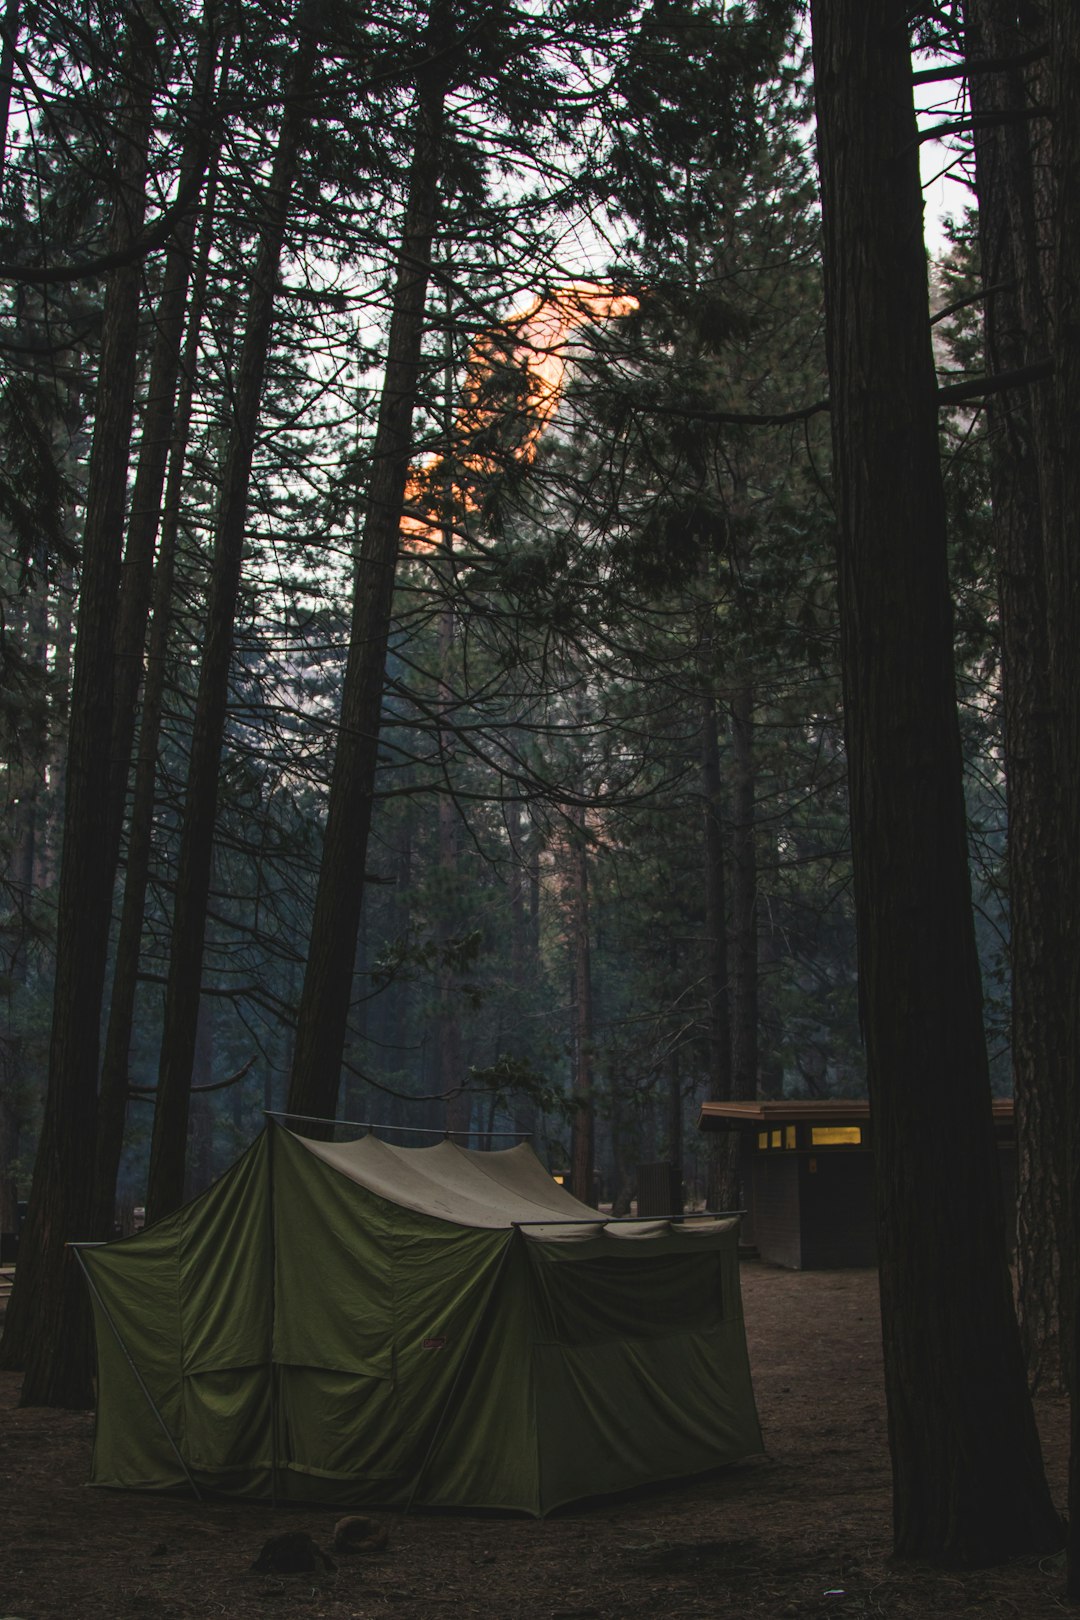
[{"x": 510, "y": 1080}]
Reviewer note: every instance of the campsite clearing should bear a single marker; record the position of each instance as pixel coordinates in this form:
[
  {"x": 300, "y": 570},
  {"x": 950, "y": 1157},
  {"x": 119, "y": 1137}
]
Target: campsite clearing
[{"x": 802, "y": 1532}]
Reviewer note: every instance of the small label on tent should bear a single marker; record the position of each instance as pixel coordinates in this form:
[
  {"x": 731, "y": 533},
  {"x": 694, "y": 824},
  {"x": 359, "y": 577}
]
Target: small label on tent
[{"x": 433, "y": 1344}]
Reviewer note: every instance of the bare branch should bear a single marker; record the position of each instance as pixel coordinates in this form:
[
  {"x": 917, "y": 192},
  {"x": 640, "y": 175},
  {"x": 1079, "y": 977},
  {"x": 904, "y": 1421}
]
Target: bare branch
[
  {"x": 146, "y": 1093},
  {"x": 988, "y": 64}
]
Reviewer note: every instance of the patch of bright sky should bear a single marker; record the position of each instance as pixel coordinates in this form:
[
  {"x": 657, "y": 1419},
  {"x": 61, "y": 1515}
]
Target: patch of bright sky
[{"x": 945, "y": 170}]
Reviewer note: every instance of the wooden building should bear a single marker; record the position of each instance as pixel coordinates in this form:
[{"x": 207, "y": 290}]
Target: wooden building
[{"x": 808, "y": 1177}]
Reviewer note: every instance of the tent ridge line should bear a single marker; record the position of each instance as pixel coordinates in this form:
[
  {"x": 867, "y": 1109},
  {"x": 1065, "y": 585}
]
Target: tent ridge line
[{"x": 376, "y": 1125}]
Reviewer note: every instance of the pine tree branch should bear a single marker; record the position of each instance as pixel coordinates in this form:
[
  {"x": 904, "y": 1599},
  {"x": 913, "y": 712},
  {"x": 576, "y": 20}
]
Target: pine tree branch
[
  {"x": 145, "y": 1093},
  {"x": 983, "y": 387},
  {"x": 972, "y": 298},
  {"x": 993, "y": 120},
  {"x": 40, "y": 275},
  {"x": 737, "y": 418},
  {"x": 988, "y": 64},
  {"x": 951, "y": 394}
]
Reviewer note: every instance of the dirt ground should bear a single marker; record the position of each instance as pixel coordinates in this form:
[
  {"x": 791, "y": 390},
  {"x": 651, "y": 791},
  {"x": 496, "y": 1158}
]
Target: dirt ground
[{"x": 802, "y": 1532}]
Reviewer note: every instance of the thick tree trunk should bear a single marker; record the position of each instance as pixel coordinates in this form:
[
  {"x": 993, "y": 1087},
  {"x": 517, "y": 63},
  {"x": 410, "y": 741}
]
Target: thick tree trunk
[
  {"x": 49, "y": 829},
  {"x": 199, "y": 1169},
  {"x": 169, "y": 1142},
  {"x": 323, "y": 1014},
  {"x": 968, "y": 1484},
  {"x": 136, "y": 585},
  {"x": 675, "y": 1152},
  {"x": 47, "y": 1329},
  {"x": 9, "y": 31},
  {"x": 451, "y": 1073},
  {"x": 744, "y": 899},
  {"x": 113, "y": 1093},
  {"x": 26, "y": 779},
  {"x": 723, "y": 1146},
  {"x": 625, "y": 1150},
  {"x": 1005, "y": 181},
  {"x": 1063, "y": 591},
  {"x": 522, "y": 961},
  {"x": 9, "y": 1143},
  {"x": 582, "y": 1132}
]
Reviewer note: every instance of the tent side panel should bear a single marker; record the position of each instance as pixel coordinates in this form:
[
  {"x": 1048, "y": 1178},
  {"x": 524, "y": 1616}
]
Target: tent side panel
[
  {"x": 640, "y": 1366},
  {"x": 187, "y": 1301},
  {"x": 226, "y": 1309},
  {"x": 333, "y": 1264},
  {"x": 632, "y": 1414},
  {"x": 136, "y": 1316},
  {"x": 376, "y": 1307},
  {"x": 487, "y": 1453}
]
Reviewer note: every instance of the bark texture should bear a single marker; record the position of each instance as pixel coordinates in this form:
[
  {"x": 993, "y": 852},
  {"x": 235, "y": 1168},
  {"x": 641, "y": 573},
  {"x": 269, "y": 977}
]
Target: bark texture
[
  {"x": 744, "y": 907},
  {"x": 47, "y": 1329},
  {"x": 968, "y": 1484},
  {"x": 322, "y": 1019},
  {"x": 113, "y": 1091},
  {"x": 723, "y": 1146},
  {"x": 1063, "y": 594},
  {"x": 582, "y": 1129},
  {"x": 1016, "y": 336},
  {"x": 169, "y": 1142}
]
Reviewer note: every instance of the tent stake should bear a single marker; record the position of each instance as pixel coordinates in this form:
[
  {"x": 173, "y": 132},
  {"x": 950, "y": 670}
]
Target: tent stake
[{"x": 128, "y": 1358}]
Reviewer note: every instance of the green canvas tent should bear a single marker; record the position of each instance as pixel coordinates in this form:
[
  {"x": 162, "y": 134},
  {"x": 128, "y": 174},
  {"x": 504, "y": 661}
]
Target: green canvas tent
[{"x": 360, "y": 1323}]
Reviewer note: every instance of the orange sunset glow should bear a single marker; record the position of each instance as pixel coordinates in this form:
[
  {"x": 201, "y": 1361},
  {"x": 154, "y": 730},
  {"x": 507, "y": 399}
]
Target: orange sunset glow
[{"x": 514, "y": 382}]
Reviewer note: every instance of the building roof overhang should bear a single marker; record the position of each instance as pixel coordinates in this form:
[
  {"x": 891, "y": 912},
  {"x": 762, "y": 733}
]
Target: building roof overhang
[{"x": 734, "y": 1116}]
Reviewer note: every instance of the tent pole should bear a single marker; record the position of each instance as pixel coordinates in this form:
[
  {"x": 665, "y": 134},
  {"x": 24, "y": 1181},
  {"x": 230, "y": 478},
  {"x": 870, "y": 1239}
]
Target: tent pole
[
  {"x": 480, "y": 1317},
  {"x": 374, "y": 1125},
  {"x": 635, "y": 1220},
  {"x": 138, "y": 1375}
]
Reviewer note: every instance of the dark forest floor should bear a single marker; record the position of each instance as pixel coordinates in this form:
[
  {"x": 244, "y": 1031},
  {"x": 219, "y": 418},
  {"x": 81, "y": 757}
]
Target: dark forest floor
[{"x": 803, "y": 1532}]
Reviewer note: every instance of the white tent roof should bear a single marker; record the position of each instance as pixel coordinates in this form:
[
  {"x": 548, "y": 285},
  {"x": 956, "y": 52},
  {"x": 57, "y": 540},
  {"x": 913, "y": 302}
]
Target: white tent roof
[
  {"x": 505, "y": 1188},
  {"x": 456, "y": 1183}
]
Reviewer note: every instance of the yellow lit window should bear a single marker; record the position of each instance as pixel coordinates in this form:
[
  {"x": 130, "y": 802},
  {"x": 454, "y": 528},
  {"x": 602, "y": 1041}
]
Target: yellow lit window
[
  {"x": 762, "y": 1139},
  {"x": 835, "y": 1135},
  {"x": 789, "y": 1136},
  {"x": 776, "y": 1139}
]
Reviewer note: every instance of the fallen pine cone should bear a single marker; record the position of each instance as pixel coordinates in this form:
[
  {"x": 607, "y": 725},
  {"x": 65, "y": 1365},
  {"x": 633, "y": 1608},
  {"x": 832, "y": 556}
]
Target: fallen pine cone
[{"x": 356, "y": 1534}]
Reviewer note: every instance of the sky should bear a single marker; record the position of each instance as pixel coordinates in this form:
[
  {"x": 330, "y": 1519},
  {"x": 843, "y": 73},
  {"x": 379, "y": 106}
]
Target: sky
[{"x": 943, "y": 186}]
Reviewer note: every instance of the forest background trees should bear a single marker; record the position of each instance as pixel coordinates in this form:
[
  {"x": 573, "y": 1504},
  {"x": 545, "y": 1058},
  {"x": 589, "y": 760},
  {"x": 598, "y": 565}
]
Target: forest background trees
[{"x": 425, "y": 695}]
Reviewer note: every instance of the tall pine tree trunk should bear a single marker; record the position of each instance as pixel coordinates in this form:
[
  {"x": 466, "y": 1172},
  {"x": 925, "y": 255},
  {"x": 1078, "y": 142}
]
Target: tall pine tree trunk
[
  {"x": 9, "y": 30},
  {"x": 522, "y": 964},
  {"x": 1063, "y": 594},
  {"x": 675, "y": 1134},
  {"x": 47, "y": 1329},
  {"x": 113, "y": 1093},
  {"x": 323, "y": 1015},
  {"x": 1005, "y": 180},
  {"x": 169, "y": 1142},
  {"x": 723, "y": 1146},
  {"x": 744, "y": 899},
  {"x": 582, "y": 1134},
  {"x": 137, "y": 577},
  {"x": 451, "y": 1077},
  {"x": 968, "y": 1485}
]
